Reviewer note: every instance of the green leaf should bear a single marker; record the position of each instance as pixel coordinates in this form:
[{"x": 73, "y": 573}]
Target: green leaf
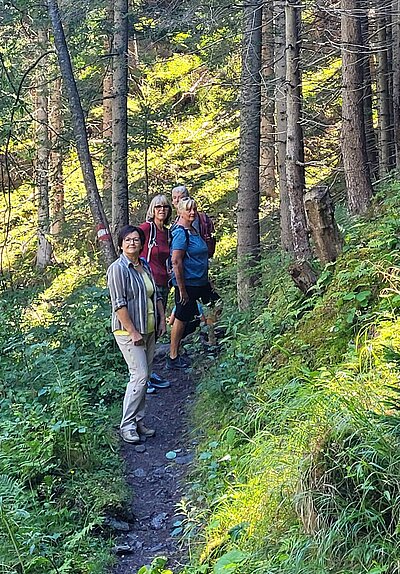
[
  {"x": 205, "y": 455},
  {"x": 229, "y": 562},
  {"x": 350, "y": 316},
  {"x": 363, "y": 295},
  {"x": 349, "y": 296}
]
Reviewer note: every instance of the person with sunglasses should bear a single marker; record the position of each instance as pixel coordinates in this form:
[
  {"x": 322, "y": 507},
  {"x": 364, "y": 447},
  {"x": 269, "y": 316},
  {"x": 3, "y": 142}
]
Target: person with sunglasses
[
  {"x": 137, "y": 316},
  {"x": 189, "y": 256},
  {"x": 156, "y": 253}
]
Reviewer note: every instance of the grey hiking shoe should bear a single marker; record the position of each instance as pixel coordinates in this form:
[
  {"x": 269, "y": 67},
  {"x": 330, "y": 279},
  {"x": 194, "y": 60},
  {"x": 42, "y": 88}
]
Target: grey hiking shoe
[
  {"x": 130, "y": 436},
  {"x": 143, "y": 430}
]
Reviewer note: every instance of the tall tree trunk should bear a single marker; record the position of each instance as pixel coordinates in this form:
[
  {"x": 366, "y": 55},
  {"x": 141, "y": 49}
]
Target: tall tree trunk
[
  {"x": 353, "y": 141},
  {"x": 120, "y": 211},
  {"x": 267, "y": 130},
  {"x": 107, "y": 110},
  {"x": 384, "y": 97},
  {"x": 79, "y": 125},
  {"x": 44, "y": 251},
  {"x": 281, "y": 127},
  {"x": 372, "y": 149},
  {"x": 295, "y": 146},
  {"x": 248, "y": 227},
  {"x": 56, "y": 164},
  {"x": 396, "y": 78}
]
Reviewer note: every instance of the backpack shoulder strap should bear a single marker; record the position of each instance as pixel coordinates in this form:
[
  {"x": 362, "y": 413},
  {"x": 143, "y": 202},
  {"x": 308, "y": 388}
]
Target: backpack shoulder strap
[{"x": 152, "y": 239}]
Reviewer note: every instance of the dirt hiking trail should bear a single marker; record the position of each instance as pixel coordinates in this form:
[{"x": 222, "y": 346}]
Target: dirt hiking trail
[{"x": 157, "y": 482}]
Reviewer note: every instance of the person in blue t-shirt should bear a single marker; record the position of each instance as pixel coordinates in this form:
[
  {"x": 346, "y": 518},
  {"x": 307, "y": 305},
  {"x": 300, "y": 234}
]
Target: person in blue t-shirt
[{"x": 189, "y": 256}]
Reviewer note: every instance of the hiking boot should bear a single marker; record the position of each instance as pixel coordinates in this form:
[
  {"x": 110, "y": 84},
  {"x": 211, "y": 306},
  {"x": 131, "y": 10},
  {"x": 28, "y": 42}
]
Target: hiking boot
[
  {"x": 177, "y": 363},
  {"x": 150, "y": 388},
  {"x": 130, "y": 436},
  {"x": 158, "y": 382},
  {"x": 143, "y": 430}
]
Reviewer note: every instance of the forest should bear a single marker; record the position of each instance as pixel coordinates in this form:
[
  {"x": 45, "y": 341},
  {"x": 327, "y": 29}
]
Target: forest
[{"x": 283, "y": 121}]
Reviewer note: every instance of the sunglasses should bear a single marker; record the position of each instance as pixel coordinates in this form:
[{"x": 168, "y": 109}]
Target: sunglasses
[{"x": 161, "y": 207}]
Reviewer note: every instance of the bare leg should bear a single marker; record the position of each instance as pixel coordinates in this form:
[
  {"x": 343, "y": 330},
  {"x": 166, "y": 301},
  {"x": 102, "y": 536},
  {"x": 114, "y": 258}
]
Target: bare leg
[{"x": 176, "y": 336}]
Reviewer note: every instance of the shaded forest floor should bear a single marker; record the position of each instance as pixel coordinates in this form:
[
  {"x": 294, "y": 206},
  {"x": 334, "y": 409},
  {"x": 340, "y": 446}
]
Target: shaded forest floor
[{"x": 156, "y": 480}]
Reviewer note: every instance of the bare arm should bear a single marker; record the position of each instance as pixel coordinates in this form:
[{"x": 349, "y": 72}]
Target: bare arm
[
  {"x": 124, "y": 318},
  {"x": 177, "y": 264}
]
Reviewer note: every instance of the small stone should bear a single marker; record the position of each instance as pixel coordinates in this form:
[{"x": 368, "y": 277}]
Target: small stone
[
  {"x": 158, "y": 521},
  {"x": 140, "y": 448},
  {"x": 119, "y": 525},
  {"x": 186, "y": 459},
  {"x": 139, "y": 473},
  {"x": 122, "y": 548}
]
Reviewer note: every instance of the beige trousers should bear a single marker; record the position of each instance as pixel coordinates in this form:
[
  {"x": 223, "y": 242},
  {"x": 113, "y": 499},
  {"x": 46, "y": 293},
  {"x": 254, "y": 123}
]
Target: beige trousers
[{"x": 140, "y": 361}]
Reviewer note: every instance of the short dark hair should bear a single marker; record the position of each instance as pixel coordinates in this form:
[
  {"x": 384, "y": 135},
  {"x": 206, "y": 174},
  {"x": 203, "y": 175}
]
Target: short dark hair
[{"x": 126, "y": 230}]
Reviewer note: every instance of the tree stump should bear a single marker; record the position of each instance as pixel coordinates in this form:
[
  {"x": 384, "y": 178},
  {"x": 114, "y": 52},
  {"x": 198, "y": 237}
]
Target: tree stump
[
  {"x": 303, "y": 275},
  {"x": 322, "y": 225}
]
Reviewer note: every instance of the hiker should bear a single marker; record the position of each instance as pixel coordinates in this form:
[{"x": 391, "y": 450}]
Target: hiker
[
  {"x": 135, "y": 321},
  {"x": 203, "y": 223},
  {"x": 189, "y": 256},
  {"x": 177, "y": 193},
  {"x": 156, "y": 253}
]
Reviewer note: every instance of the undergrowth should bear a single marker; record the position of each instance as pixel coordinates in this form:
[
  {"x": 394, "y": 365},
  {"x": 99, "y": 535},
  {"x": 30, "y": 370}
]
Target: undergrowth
[
  {"x": 299, "y": 461},
  {"x": 60, "y": 474}
]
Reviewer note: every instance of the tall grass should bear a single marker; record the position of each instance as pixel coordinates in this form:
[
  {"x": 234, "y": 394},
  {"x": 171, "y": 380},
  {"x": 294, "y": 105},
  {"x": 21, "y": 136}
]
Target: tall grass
[{"x": 302, "y": 475}]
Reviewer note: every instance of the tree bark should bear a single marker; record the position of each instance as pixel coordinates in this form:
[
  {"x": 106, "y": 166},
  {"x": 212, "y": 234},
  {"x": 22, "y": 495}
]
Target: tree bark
[
  {"x": 248, "y": 227},
  {"x": 295, "y": 175},
  {"x": 56, "y": 164},
  {"x": 321, "y": 222},
  {"x": 79, "y": 126},
  {"x": 396, "y": 79},
  {"x": 372, "y": 149},
  {"x": 44, "y": 250},
  {"x": 107, "y": 110},
  {"x": 353, "y": 141},
  {"x": 120, "y": 210},
  {"x": 267, "y": 128},
  {"x": 384, "y": 97},
  {"x": 281, "y": 124}
]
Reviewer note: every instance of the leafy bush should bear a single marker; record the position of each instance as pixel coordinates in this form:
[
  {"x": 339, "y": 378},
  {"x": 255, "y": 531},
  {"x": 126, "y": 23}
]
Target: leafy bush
[{"x": 59, "y": 471}]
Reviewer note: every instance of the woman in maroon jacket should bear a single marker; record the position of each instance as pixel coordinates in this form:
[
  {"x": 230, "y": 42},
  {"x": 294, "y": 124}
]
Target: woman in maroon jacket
[{"x": 156, "y": 252}]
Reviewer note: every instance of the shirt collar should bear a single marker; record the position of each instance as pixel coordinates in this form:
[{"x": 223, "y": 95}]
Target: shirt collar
[{"x": 125, "y": 261}]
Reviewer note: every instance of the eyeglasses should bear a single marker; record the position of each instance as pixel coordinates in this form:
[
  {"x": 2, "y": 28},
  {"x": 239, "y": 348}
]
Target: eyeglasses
[
  {"x": 161, "y": 206},
  {"x": 132, "y": 240}
]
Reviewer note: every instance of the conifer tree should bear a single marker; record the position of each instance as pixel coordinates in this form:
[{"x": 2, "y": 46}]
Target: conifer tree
[
  {"x": 354, "y": 149},
  {"x": 248, "y": 227}
]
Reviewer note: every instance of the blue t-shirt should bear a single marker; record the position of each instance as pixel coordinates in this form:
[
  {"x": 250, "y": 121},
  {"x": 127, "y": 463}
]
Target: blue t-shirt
[{"x": 195, "y": 262}]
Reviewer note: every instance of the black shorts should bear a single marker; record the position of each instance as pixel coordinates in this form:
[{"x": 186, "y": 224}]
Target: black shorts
[{"x": 187, "y": 312}]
